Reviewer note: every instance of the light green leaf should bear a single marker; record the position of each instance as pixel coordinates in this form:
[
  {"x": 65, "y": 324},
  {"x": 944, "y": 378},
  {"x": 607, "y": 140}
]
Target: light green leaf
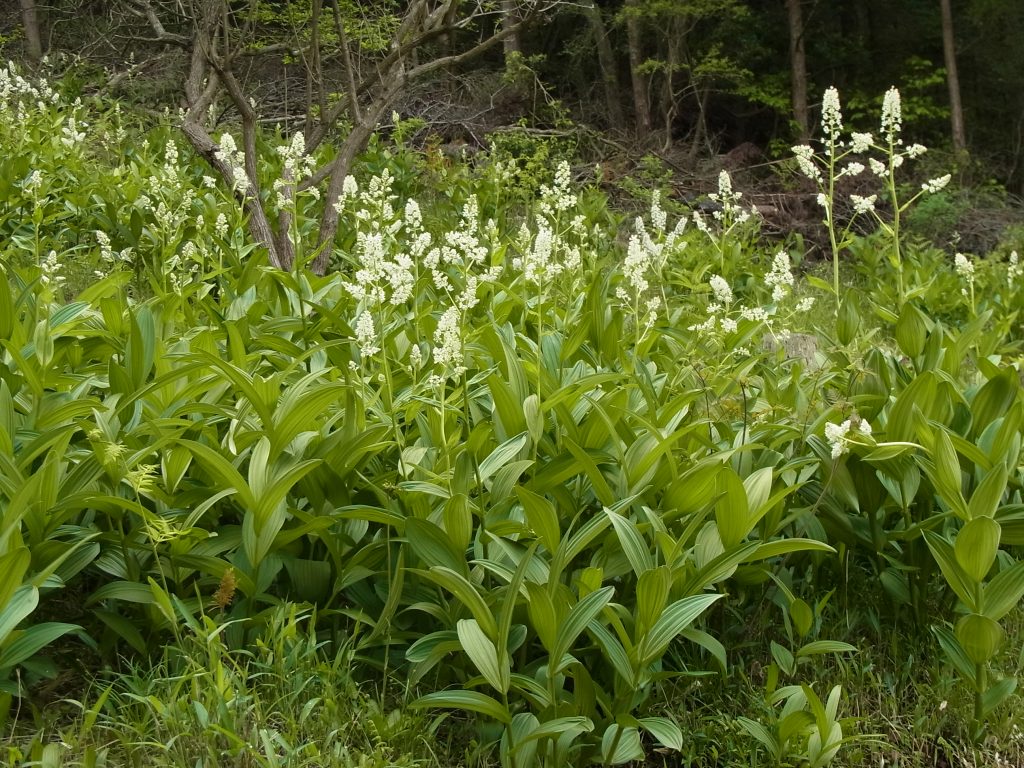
[
  {"x": 472, "y": 701},
  {"x": 732, "y": 511},
  {"x": 28, "y": 642},
  {"x": 986, "y": 497},
  {"x": 632, "y": 543},
  {"x": 579, "y": 617},
  {"x": 979, "y": 636},
  {"x": 22, "y": 603},
  {"x": 483, "y": 654},
  {"x": 672, "y": 622},
  {"x": 819, "y": 647},
  {"x": 957, "y": 579},
  {"x": 626, "y": 745},
  {"x": 1004, "y": 591},
  {"x": 976, "y": 546},
  {"x": 664, "y": 730},
  {"x": 502, "y": 455}
]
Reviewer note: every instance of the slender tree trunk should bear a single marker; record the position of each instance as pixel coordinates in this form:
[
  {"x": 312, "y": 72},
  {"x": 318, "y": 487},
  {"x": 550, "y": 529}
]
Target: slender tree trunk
[
  {"x": 676, "y": 40},
  {"x": 641, "y": 102},
  {"x": 606, "y": 61},
  {"x": 956, "y": 112},
  {"x": 33, "y": 36},
  {"x": 509, "y": 16},
  {"x": 798, "y": 68}
]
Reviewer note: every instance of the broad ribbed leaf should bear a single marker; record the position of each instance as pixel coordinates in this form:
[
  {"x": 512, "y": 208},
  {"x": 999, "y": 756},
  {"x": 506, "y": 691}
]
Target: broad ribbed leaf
[
  {"x": 732, "y": 511},
  {"x": 664, "y": 730},
  {"x": 976, "y": 546},
  {"x": 460, "y": 587},
  {"x": 621, "y": 745},
  {"x": 956, "y": 578},
  {"x": 502, "y": 455},
  {"x": 541, "y": 517},
  {"x": 819, "y": 647},
  {"x": 1004, "y": 591},
  {"x": 632, "y": 543},
  {"x": 433, "y": 546},
  {"x": 986, "y": 497},
  {"x": 472, "y": 701},
  {"x": 13, "y": 566},
  {"x": 483, "y": 654},
  {"x": 579, "y": 617},
  {"x": 979, "y": 636},
  {"x": 30, "y": 641},
  {"x": 22, "y": 603},
  {"x": 673, "y": 621}
]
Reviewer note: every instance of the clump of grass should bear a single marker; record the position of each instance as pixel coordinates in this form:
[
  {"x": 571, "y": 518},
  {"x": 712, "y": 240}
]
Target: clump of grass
[{"x": 289, "y": 699}]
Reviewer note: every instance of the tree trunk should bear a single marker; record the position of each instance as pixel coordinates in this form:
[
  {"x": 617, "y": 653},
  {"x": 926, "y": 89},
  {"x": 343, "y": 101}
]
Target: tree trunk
[
  {"x": 606, "y": 61},
  {"x": 509, "y": 16},
  {"x": 641, "y": 102},
  {"x": 33, "y": 36},
  {"x": 956, "y": 112},
  {"x": 798, "y": 68}
]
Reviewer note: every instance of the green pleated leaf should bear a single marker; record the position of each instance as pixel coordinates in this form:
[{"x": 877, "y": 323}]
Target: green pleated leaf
[
  {"x": 957, "y": 579},
  {"x": 979, "y": 636},
  {"x": 434, "y": 547},
  {"x": 997, "y": 694},
  {"x": 664, "y": 730},
  {"x": 541, "y": 517},
  {"x": 624, "y": 747},
  {"x": 819, "y": 647},
  {"x": 632, "y": 542},
  {"x": 955, "y": 653},
  {"x": 21, "y": 604},
  {"x": 585, "y": 611},
  {"x": 1004, "y": 591},
  {"x": 502, "y": 455},
  {"x": 471, "y": 701},
  {"x": 23, "y": 646},
  {"x": 672, "y": 622},
  {"x": 976, "y": 546},
  {"x": 483, "y": 654},
  {"x": 989, "y": 493}
]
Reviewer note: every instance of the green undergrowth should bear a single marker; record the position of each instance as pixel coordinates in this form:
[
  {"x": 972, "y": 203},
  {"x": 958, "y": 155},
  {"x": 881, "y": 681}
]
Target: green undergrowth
[{"x": 514, "y": 482}]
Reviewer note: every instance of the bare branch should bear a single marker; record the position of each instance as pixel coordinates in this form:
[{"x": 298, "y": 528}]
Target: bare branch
[{"x": 144, "y": 9}]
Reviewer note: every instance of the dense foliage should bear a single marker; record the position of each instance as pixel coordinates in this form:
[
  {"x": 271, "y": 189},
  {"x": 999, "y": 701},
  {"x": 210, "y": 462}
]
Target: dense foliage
[{"x": 536, "y": 465}]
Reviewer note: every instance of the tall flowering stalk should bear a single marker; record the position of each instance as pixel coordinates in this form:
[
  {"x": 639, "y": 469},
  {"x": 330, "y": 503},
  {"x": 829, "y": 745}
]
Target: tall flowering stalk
[
  {"x": 728, "y": 218},
  {"x": 647, "y": 255},
  {"x": 896, "y": 153},
  {"x": 965, "y": 268},
  {"x": 553, "y": 254},
  {"x": 825, "y": 171}
]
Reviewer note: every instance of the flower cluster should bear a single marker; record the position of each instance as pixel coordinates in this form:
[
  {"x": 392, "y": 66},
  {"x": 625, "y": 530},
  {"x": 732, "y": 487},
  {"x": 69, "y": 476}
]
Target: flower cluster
[
  {"x": 297, "y": 166},
  {"x": 647, "y": 254},
  {"x": 50, "y": 270},
  {"x": 780, "y": 278},
  {"x": 108, "y": 256},
  {"x": 729, "y": 212},
  {"x": 839, "y": 436},
  {"x": 229, "y": 154},
  {"x": 19, "y": 97},
  {"x": 964, "y": 267},
  {"x": 1015, "y": 269},
  {"x": 555, "y": 249}
]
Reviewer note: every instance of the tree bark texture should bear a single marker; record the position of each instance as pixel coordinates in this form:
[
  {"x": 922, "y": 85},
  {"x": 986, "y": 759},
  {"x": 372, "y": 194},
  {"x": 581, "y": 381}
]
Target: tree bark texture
[
  {"x": 606, "y": 61},
  {"x": 33, "y": 35},
  {"x": 798, "y": 68},
  {"x": 641, "y": 101},
  {"x": 956, "y": 112}
]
